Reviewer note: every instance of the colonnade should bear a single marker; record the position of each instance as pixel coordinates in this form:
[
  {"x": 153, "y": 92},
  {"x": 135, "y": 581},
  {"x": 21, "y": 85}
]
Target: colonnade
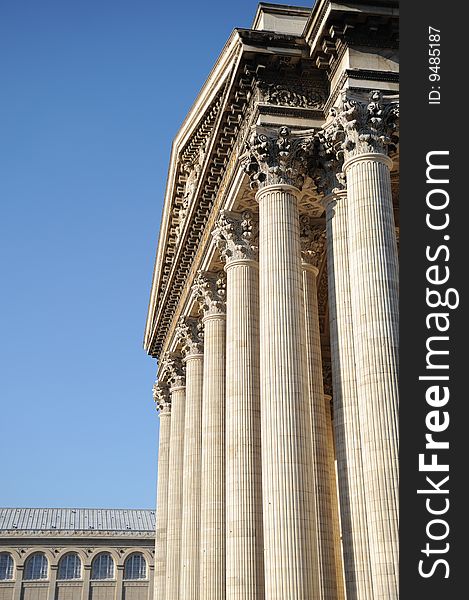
[{"x": 247, "y": 499}]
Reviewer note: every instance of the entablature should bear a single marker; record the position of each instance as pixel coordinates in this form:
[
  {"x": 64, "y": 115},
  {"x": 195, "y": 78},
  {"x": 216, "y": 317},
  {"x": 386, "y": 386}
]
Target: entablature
[{"x": 262, "y": 80}]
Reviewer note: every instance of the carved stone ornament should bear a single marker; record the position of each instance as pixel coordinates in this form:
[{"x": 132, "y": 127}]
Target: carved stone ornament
[
  {"x": 209, "y": 290},
  {"x": 280, "y": 157},
  {"x": 327, "y": 377},
  {"x": 328, "y": 176},
  {"x": 294, "y": 95},
  {"x": 192, "y": 170},
  {"x": 312, "y": 240},
  {"x": 173, "y": 370},
  {"x": 161, "y": 396},
  {"x": 236, "y": 236},
  {"x": 190, "y": 331},
  {"x": 367, "y": 126}
]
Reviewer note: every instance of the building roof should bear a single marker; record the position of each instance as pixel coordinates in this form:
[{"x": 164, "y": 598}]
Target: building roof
[{"x": 77, "y": 519}]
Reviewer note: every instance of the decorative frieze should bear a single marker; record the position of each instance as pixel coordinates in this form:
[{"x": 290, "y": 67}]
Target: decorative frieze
[
  {"x": 294, "y": 93},
  {"x": 192, "y": 169},
  {"x": 236, "y": 236},
  {"x": 209, "y": 290}
]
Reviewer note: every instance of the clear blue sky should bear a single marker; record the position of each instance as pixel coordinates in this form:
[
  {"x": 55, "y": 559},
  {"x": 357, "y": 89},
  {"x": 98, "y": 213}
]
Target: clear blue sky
[{"x": 92, "y": 93}]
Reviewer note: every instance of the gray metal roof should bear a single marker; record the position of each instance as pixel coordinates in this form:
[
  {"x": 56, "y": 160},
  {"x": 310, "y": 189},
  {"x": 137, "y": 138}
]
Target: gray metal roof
[{"x": 77, "y": 519}]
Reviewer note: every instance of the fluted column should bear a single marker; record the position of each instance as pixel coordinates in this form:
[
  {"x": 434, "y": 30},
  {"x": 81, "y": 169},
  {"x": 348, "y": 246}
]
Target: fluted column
[
  {"x": 275, "y": 164},
  {"x": 347, "y": 424},
  {"x": 339, "y": 565},
  {"x": 174, "y": 367},
  {"x": 373, "y": 263},
  {"x": 210, "y": 291},
  {"x": 312, "y": 238},
  {"x": 236, "y": 239},
  {"x": 189, "y": 332},
  {"x": 162, "y": 399}
]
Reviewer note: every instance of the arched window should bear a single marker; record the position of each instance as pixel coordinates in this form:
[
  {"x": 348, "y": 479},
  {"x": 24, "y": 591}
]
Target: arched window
[
  {"x": 36, "y": 566},
  {"x": 6, "y": 566},
  {"x": 102, "y": 567},
  {"x": 135, "y": 567},
  {"x": 70, "y": 566}
]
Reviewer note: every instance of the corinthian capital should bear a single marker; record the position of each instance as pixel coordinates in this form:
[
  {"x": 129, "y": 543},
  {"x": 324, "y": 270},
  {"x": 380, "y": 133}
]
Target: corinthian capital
[
  {"x": 312, "y": 240},
  {"x": 280, "y": 157},
  {"x": 367, "y": 126},
  {"x": 209, "y": 290},
  {"x": 236, "y": 236},
  {"x": 172, "y": 370},
  {"x": 161, "y": 396},
  {"x": 328, "y": 176},
  {"x": 189, "y": 331}
]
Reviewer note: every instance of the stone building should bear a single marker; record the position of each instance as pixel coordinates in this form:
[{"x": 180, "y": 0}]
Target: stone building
[
  {"x": 274, "y": 316},
  {"x": 76, "y": 554}
]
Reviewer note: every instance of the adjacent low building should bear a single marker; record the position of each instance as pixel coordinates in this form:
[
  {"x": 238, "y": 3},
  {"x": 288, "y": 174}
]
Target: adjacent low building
[{"x": 76, "y": 554}]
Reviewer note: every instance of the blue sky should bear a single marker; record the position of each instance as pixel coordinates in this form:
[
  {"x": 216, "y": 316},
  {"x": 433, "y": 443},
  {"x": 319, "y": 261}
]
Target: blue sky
[{"x": 93, "y": 91}]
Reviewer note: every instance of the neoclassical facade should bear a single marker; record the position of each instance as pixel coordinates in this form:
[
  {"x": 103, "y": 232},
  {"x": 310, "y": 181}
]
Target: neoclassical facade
[
  {"x": 76, "y": 554},
  {"x": 274, "y": 316}
]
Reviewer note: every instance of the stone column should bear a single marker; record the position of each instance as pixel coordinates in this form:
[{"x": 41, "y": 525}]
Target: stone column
[
  {"x": 313, "y": 237},
  {"x": 236, "y": 238},
  {"x": 172, "y": 368},
  {"x": 52, "y": 591},
  {"x": 151, "y": 582},
  {"x": 118, "y": 595},
  {"x": 190, "y": 333},
  {"x": 209, "y": 289},
  {"x": 347, "y": 423},
  {"x": 276, "y": 166},
  {"x": 339, "y": 565},
  {"x": 85, "y": 590},
  {"x": 368, "y": 129},
  {"x": 19, "y": 572},
  {"x": 162, "y": 399}
]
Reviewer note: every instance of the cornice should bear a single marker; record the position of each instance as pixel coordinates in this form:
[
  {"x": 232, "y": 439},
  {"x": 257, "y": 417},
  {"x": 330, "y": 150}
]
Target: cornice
[
  {"x": 239, "y": 102},
  {"x": 67, "y": 533},
  {"x": 334, "y": 26}
]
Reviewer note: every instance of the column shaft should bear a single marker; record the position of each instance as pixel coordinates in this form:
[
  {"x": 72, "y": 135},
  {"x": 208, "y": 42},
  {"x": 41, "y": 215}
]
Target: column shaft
[
  {"x": 346, "y": 415},
  {"x": 244, "y": 540},
  {"x": 175, "y": 488},
  {"x": 162, "y": 505},
  {"x": 375, "y": 313},
  {"x": 339, "y": 565},
  {"x": 190, "y": 545},
  {"x": 322, "y": 494},
  {"x": 287, "y": 478},
  {"x": 212, "y": 516},
  {"x": 52, "y": 591}
]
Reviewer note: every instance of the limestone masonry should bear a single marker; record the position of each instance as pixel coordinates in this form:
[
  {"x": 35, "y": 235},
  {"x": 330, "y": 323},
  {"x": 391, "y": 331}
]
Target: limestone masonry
[{"x": 274, "y": 316}]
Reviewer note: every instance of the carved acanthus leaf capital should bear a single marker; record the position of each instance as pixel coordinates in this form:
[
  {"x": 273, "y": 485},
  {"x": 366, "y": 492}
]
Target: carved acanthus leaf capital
[
  {"x": 328, "y": 176},
  {"x": 367, "y": 126},
  {"x": 161, "y": 396},
  {"x": 236, "y": 236},
  {"x": 189, "y": 331},
  {"x": 280, "y": 157},
  {"x": 209, "y": 290},
  {"x": 172, "y": 370},
  {"x": 312, "y": 240}
]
